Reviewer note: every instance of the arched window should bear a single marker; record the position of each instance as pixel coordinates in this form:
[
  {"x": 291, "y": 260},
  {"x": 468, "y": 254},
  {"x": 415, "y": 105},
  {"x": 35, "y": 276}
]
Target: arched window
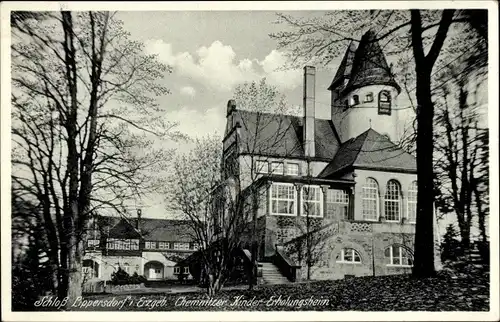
[
  {"x": 397, "y": 255},
  {"x": 384, "y": 103},
  {"x": 369, "y": 97},
  {"x": 412, "y": 202},
  {"x": 349, "y": 255},
  {"x": 370, "y": 199},
  {"x": 393, "y": 201},
  {"x": 355, "y": 100}
]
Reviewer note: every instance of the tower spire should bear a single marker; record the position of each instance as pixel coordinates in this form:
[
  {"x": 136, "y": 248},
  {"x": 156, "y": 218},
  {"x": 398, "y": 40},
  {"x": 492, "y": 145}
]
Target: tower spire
[{"x": 370, "y": 66}]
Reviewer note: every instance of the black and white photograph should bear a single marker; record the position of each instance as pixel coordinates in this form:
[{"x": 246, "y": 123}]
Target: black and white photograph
[{"x": 283, "y": 160}]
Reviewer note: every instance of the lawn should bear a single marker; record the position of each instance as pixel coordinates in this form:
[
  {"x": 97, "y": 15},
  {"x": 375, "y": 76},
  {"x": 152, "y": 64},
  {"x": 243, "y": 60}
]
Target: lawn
[{"x": 382, "y": 293}]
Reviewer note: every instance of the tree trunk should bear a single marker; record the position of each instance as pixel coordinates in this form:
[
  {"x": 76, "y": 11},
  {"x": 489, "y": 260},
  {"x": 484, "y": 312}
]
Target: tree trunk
[
  {"x": 255, "y": 208},
  {"x": 424, "y": 236},
  {"x": 480, "y": 214},
  {"x": 75, "y": 278},
  {"x": 214, "y": 284}
]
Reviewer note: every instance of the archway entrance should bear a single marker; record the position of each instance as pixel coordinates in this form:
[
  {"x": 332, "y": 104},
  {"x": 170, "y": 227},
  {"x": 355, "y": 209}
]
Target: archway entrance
[{"x": 153, "y": 270}]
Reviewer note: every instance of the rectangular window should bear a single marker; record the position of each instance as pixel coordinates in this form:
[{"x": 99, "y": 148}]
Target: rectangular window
[
  {"x": 163, "y": 245},
  {"x": 122, "y": 244},
  {"x": 231, "y": 165},
  {"x": 177, "y": 270},
  {"x": 193, "y": 246},
  {"x": 369, "y": 98},
  {"x": 292, "y": 169},
  {"x": 370, "y": 200},
  {"x": 93, "y": 243},
  {"x": 312, "y": 201},
  {"x": 398, "y": 256},
  {"x": 186, "y": 270},
  {"x": 337, "y": 204},
  {"x": 150, "y": 245},
  {"x": 283, "y": 199},
  {"x": 181, "y": 246},
  {"x": 111, "y": 244},
  {"x": 261, "y": 166},
  {"x": 412, "y": 203},
  {"x": 277, "y": 168}
]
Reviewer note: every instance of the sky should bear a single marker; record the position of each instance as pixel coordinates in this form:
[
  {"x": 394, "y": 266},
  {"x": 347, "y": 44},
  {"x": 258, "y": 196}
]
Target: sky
[{"x": 212, "y": 52}]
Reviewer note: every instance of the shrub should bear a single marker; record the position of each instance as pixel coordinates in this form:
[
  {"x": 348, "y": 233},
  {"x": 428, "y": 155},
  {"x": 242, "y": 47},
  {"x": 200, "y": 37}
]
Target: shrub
[
  {"x": 137, "y": 279},
  {"x": 120, "y": 277},
  {"x": 450, "y": 247}
]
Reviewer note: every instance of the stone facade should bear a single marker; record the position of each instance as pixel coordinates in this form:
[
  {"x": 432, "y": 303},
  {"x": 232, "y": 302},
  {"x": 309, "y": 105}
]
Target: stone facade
[{"x": 369, "y": 239}]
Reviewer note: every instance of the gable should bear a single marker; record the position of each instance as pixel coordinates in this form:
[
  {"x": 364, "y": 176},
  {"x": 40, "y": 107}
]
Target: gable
[{"x": 124, "y": 229}]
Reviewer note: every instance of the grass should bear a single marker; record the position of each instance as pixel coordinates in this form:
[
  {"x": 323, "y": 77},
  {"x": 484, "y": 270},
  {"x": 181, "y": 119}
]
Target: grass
[{"x": 381, "y": 293}]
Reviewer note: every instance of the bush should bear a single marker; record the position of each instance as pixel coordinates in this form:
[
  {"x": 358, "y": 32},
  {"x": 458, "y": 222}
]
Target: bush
[
  {"x": 450, "y": 247},
  {"x": 120, "y": 277},
  {"x": 137, "y": 279}
]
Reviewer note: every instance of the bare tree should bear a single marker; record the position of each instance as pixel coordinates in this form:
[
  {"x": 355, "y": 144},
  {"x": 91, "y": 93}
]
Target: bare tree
[
  {"x": 418, "y": 37},
  {"x": 83, "y": 118},
  {"x": 218, "y": 189},
  {"x": 460, "y": 172}
]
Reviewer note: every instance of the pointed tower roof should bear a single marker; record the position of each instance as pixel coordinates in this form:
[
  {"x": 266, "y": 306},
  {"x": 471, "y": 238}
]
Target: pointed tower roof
[
  {"x": 345, "y": 66},
  {"x": 370, "y": 66}
]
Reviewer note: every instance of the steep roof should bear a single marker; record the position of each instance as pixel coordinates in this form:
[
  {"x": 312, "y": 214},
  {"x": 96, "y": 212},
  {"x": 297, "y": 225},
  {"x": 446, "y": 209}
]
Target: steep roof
[
  {"x": 370, "y": 66},
  {"x": 166, "y": 229},
  {"x": 282, "y": 135},
  {"x": 345, "y": 66},
  {"x": 370, "y": 150},
  {"x": 149, "y": 228}
]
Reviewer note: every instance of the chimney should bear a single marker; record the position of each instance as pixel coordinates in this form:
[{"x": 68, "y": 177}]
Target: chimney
[
  {"x": 309, "y": 110},
  {"x": 231, "y": 106},
  {"x": 139, "y": 214}
]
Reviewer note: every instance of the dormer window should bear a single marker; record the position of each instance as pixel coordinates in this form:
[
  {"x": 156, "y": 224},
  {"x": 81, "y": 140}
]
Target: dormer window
[
  {"x": 355, "y": 100},
  {"x": 369, "y": 98},
  {"x": 384, "y": 103}
]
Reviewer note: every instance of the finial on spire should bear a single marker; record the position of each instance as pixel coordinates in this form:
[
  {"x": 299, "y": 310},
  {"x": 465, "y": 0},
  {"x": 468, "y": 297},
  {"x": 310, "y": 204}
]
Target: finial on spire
[{"x": 370, "y": 120}]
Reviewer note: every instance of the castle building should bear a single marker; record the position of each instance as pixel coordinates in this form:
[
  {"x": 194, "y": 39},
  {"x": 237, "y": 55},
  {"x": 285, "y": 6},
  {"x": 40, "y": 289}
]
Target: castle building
[
  {"x": 146, "y": 246},
  {"x": 337, "y": 197}
]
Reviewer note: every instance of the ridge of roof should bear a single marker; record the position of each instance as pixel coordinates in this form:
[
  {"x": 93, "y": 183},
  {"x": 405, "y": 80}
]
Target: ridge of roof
[{"x": 345, "y": 66}]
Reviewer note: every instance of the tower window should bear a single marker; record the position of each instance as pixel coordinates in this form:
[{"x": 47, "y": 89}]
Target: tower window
[
  {"x": 355, "y": 100},
  {"x": 384, "y": 103},
  {"x": 369, "y": 98}
]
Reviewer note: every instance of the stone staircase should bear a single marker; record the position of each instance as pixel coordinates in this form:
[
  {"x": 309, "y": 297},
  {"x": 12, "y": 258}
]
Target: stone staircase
[{"x": 272, "y": 275}]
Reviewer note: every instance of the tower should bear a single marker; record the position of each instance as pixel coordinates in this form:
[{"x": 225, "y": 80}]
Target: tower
[{"x": 364, "y": 92}]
